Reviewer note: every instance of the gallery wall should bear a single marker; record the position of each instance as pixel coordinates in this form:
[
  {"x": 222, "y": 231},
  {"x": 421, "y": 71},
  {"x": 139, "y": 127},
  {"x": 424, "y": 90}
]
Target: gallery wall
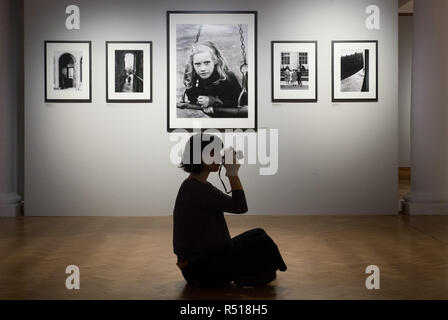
[{"x": 113, "y": 159}]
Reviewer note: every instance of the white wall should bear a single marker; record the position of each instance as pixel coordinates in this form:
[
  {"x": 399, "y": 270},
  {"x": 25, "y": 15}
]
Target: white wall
[
  {"x": 404, "y": 92},
  {"x": 113, "y": 159}
]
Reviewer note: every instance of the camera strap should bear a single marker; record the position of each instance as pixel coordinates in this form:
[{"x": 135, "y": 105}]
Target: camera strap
[{"x": 219, "y": 174}]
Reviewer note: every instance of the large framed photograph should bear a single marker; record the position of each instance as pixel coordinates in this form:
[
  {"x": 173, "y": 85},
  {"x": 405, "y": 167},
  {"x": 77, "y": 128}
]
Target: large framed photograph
[
  {"x": 355, "y": 71},
  {"x": 68, "y": 73},
  {"x": 294, "y": 71},
  {"x": 212, "y": 70},
  {"x": 129, "y": 71}
]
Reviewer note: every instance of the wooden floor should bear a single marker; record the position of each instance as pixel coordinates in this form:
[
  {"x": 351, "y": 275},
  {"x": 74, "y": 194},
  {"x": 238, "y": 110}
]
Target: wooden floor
[{"x": 131, "y": 258}]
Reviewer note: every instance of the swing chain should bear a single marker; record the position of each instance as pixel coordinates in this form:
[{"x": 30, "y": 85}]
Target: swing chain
[
  {"x": 198, "y": 34},
  {"x": 243, "y": 47},
  {"x": 243, "y": 65}
]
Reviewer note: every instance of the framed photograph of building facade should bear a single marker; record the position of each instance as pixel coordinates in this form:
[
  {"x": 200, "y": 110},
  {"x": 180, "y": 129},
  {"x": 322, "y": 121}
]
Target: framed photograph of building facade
[
  {"x": 68, "y": 74},
  {"x": 212, "y": 70},
  {"x": 294, "y": 71},
  {"x": 355, "y": 71},
  {"x": 129, "y": 71}
]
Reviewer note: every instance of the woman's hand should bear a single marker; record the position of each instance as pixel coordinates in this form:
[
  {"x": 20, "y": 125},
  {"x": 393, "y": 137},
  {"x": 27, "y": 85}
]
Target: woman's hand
[{"x": 232, "y": 167}]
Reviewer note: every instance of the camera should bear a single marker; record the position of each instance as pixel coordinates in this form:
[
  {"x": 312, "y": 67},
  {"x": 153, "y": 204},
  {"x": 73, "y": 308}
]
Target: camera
[{"x": 238, "y": 153}]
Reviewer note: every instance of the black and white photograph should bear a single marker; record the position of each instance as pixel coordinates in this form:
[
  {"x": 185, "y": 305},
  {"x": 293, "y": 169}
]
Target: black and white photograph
[
  {"x": 355, "y": 73},
  {"x": 128, "y": 72},
  {"x": 294, "y": 71},
  {"x": 67, "y": 71},
  {"x": 212, "y": 70}
]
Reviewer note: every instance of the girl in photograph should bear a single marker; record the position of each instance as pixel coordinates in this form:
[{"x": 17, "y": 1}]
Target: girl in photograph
[{"x": 208, "y": 79}]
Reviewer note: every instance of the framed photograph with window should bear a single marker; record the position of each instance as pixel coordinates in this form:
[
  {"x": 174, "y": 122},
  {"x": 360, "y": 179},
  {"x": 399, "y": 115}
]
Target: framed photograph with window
[
  {"x": 294, "y": 71},
  {"x": 128, "y": 71},
  {"x": 355, "y": 71},
  {"x": 212, "y": 70},
  {"x": 68, "y": 73}
]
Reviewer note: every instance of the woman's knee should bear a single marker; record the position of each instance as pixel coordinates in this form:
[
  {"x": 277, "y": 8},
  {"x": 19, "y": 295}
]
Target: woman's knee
[{"x": 258, "y": 231}]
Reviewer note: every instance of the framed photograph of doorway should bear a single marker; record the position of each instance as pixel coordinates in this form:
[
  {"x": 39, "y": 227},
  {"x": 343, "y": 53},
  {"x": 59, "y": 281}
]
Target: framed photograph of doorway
[
  {"x": 129, "y": 71},
  {"x": 68, "y": 72}
]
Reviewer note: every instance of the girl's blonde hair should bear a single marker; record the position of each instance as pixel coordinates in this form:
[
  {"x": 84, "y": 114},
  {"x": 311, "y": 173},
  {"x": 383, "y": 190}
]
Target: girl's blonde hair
[{"x": 221, "y": 66}]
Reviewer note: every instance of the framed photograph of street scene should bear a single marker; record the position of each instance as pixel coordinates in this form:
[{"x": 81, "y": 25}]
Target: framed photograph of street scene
[
  {"x": 128, "y": 71},
  {"x": 68, "y": 73},
  {"x": 355, "y": 71},
  {"x": 212, "y": 70},
  {"x": 294, "y": 71}
]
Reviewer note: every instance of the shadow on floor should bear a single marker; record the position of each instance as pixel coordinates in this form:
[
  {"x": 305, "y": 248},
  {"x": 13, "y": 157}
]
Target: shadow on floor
[{"x": 230, "y": 292}]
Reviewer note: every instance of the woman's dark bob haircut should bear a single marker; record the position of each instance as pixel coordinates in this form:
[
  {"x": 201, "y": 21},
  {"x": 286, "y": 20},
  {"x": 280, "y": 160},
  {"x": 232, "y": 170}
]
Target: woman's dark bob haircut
[{"x": 192, "y": 161}]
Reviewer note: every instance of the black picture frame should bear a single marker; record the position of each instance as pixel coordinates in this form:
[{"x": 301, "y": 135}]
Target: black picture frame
[
  {"x": 293, "y": 100},
  {"x": 150, "y": 99},
  {"x": 336, "y": 100},
  {"x": 173, "y": 12},
  {"x": 60, "y": 100}
]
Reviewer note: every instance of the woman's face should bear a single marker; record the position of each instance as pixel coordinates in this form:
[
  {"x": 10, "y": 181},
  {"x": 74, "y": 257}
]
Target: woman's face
[
  {"x": 213, "y": 167},
  {"x": 203, "y": 64}
]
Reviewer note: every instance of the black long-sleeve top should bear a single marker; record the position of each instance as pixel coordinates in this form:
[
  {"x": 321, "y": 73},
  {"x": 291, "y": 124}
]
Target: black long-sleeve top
[
  {"x": 199, "y": 223},
  {"x": 227, "y": 91}
]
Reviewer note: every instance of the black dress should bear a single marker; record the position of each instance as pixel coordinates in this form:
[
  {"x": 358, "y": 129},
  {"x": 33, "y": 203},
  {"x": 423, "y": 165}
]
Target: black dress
[
  {"x": 206, "y": 254},
  {"x": 227, "y": 91}
]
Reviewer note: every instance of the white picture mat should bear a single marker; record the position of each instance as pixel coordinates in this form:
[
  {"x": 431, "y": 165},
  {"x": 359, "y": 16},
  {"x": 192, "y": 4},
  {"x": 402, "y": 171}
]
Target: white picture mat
[
  {"x": 146, "y": 94},
  {"x": 215, "y": 18},
  {"x": 338, "y": 47},
  {"x": 309, "y": 48},
  {"x": 83, "y": 94}
]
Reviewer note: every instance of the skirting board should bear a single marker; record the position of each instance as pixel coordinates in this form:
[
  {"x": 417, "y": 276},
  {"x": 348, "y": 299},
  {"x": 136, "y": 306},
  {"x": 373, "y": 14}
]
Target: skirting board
[
  {"x": 10, "y": 211},
  {"x": 9, "y": 205},
  {"x": 425, "y": 208}
]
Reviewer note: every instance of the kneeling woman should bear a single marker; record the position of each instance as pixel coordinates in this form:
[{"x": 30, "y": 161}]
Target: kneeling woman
[{"x": 206, "y": 254}]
